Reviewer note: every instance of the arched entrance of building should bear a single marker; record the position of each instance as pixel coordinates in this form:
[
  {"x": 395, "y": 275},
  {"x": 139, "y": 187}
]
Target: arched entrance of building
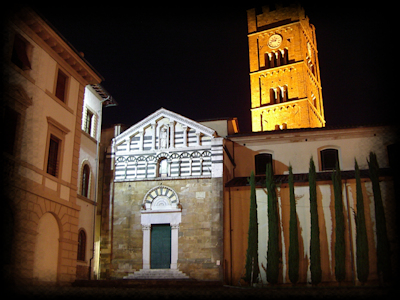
[
  {"x": 45, "y": 262},
  {"x": 160, "y": 218}
]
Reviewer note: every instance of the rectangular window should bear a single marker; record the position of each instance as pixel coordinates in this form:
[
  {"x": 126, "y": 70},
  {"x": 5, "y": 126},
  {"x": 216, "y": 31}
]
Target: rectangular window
[
  {"x": 61, "y": 85},
  {"x": 53, "y": 156},
  {"x": 19, "y": 56},
  {"x": 88, "y": 121},
  {"x": 261, "y": 161},
  {"x": 329, "y": 157}
]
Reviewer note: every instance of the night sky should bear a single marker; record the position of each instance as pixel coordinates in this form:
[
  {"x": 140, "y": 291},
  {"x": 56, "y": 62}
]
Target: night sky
[{"x": 194, "y": 61}]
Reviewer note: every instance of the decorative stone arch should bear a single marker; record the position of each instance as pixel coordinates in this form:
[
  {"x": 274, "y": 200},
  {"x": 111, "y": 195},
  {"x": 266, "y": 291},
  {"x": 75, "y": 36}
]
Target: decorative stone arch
[
  {"x": 46, "y": 261},
  {"x": 160, "y": 206},
  {"x": 160, "y": 197}
]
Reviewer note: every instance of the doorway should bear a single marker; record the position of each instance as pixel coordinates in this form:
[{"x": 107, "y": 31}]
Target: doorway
[
  {"x": 160, "y": 246},
  {"x": 45, "y": 263}
]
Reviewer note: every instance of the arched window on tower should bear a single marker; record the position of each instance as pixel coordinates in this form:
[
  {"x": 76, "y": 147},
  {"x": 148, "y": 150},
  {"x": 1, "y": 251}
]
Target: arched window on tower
[
  {"x": 267, "y": 58},
  {"x": 278, "y": 57},
  {"x": 278, "y": 94},
  {"x": 285, "y": 95},
  {"x": 285, "y": 56},
  {"x": 85, "y": 181},
  {"x": 272, "y": 96}
]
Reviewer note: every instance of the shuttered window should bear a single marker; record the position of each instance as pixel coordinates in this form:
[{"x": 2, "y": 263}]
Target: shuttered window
[
  {"x": 53, "y": 156},
  {"x": 61, "y": 86},
  {"x": 329, "y": 157}
]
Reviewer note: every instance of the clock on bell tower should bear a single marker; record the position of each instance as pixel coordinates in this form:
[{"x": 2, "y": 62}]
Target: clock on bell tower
[{"x": 284, "y": 72}]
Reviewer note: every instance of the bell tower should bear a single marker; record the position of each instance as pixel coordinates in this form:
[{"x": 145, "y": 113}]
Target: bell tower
[{"x": 284, "y": 71}]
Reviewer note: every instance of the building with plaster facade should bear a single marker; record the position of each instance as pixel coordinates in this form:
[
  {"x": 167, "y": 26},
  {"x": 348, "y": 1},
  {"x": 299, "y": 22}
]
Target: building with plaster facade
[
  {"x": 46, "y": 150},
  {"x": 295, "y": 147}
]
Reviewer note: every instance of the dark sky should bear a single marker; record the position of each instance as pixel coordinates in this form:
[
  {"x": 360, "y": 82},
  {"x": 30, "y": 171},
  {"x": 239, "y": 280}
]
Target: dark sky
[{"x": 193, "y": 59}]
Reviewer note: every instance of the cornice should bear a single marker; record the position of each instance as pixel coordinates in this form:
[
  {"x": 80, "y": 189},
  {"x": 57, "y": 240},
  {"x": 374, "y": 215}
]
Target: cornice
[
  {"x": 309, "y": 134},
  {"x": 273, "y": 29},
  {"x": 277, "y": 70},
  {"x": 162, "y": 112},
  {"x": 57, "y": 46}
]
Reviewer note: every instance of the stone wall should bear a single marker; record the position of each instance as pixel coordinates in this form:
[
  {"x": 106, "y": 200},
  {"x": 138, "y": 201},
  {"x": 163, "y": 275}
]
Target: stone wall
[{"x": 200, "y": 231}]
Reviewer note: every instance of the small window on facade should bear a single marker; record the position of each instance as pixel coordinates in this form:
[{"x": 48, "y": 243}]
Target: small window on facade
[
  {"x": 81, "y": 245},
  {"x": 261, "y": 161},
  {"x": 163, "y": 168},
  {"x": 85, "y": 181},
  {"x": 329, "y": 157},
  {"x": 53, "y": 156},
  {"x": 89, "y": 121},
  {"x": 61, "y": 86},
  {"x": 19, "y": 54}
]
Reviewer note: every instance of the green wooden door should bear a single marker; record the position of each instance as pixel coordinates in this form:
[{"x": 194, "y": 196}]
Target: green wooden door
[{"x": 160, "y": 246}]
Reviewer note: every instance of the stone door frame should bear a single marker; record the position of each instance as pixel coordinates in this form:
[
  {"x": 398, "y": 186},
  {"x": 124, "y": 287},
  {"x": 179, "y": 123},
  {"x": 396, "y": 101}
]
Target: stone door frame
[
  {"x": 152, "y": 218},
  {"x": 160, "y": 206}
]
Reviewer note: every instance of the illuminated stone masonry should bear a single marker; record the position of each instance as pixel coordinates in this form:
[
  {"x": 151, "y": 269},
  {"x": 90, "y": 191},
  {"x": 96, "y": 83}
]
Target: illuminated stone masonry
[
  {"x": 285, "y": 82},
  {"x": 167, "y": 145},
  {"x": 168, "y": 173}
]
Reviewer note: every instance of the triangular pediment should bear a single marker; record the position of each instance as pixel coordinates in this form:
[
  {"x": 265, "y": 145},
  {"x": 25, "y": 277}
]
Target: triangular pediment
[{"x": 164, "y": 118}]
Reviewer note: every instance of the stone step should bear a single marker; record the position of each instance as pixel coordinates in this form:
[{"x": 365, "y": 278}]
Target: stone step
[
  {"x": 146, "y": 283},
  {"x": 157, "y": 274}
]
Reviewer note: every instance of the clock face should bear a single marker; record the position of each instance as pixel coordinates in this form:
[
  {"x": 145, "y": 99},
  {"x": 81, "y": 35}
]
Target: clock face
[{"x": 275, "y": 41}]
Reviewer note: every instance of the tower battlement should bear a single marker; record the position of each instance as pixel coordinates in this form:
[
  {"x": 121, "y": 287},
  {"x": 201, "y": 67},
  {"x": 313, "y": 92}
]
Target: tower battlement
[{"x": 273, "y": 15}]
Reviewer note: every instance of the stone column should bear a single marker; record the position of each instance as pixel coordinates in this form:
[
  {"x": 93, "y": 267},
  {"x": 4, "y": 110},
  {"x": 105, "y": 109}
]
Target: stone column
[
  {"x": 201, "y": 166},
  {"x": 153, "y": 139},
  {"x": 172, "y": 134},
  {"x": 146, "y": 245},
  {"x": 174, "y": 246},
  {"x": 185, "y": 136},
  {"x": 198, "y": 135},
  {"x": 141, "y": 141}
]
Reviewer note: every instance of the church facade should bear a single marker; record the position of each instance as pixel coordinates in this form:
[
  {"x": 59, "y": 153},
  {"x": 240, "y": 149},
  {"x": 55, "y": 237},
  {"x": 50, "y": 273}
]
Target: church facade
[
  {"x": 167, "y": 195},
  {"x": 46, "y": 86}
]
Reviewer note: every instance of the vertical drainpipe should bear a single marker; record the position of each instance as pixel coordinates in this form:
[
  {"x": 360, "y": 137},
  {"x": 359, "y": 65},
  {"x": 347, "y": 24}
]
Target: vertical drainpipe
[{"x": 230, "y": 237}]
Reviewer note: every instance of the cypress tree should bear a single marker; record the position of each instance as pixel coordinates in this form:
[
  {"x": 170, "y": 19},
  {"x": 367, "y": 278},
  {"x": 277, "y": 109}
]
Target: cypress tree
[
  {"x": 315, "y": 254},
  {"x": 383, "y": 246},
  {"x": 252, "y": 238},
  {"x": 273, "y": 255},
  {"x": 340, "y": 271},
  {"x": 293, "y": 234},
  {"x": 362, "y": 259}
]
